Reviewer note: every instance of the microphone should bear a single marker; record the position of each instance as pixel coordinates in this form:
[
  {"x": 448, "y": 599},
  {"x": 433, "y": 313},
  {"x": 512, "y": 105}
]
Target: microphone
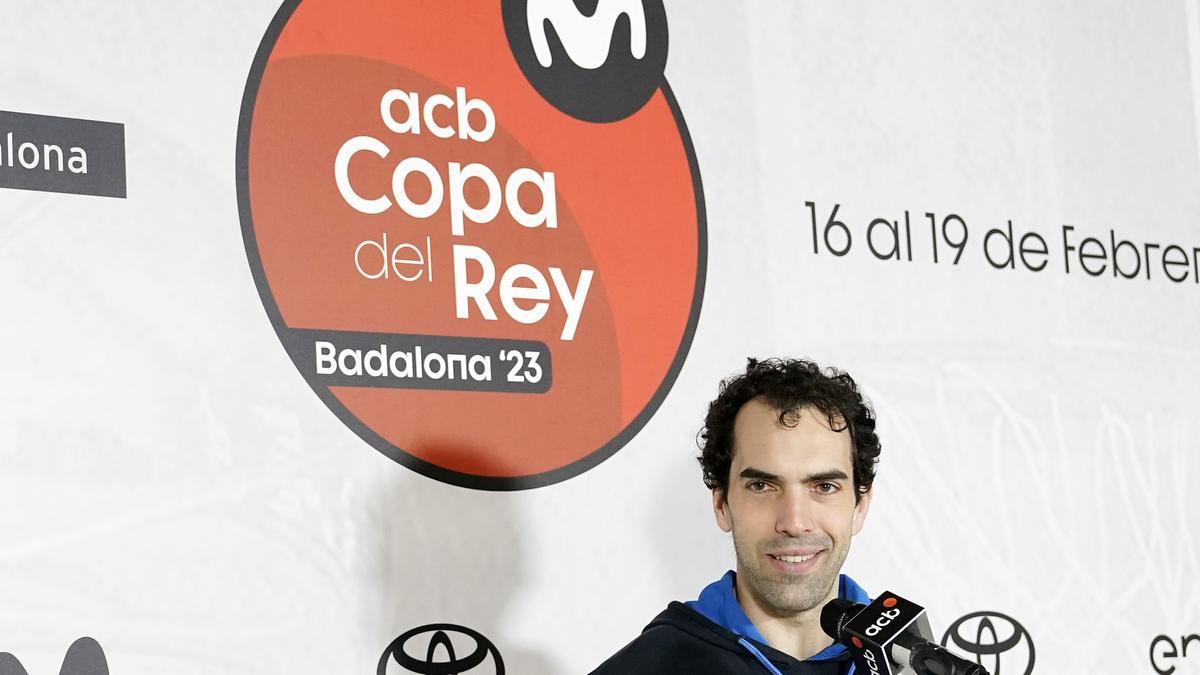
[{"x": 891, "y": 636}]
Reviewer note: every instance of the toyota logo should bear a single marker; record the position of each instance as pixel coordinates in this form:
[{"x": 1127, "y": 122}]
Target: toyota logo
[
  {"x": 993, "y": 639},
  {"x": 439, "y": 656}
]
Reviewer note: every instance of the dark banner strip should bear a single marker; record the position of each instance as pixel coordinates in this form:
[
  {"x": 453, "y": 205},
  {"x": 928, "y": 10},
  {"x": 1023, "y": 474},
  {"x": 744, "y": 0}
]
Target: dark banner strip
[
  {"x": 396, "y": 361},
  {"x": 62, "y": 154}
]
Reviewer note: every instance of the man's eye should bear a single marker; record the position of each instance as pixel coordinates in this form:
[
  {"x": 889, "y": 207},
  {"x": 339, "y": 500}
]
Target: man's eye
[
  {"x": 827, "y": 488},
  {"x": 757, "y": 486}
]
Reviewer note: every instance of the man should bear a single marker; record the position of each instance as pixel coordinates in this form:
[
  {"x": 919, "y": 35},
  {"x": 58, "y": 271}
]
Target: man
[{"x": 789, "y": 452}]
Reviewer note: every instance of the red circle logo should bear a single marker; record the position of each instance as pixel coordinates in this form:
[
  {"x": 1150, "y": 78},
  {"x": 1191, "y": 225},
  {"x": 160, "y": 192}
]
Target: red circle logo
[
  {"x": 889, "y": 602},
  {"x": 857, "y": 643},
  {"x": 485, "y": 288}
]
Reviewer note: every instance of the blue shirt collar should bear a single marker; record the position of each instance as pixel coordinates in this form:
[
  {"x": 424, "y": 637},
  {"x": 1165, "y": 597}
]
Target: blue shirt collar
[{"x": 718, "y": 603}]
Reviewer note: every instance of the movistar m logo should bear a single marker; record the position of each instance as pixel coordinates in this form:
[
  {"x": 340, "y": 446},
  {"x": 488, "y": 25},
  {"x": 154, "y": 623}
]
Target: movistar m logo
[
  {"x": 596, "y": 60},
  {"x": 84, "y": 657},
  {"x": 585, "y": 38}
]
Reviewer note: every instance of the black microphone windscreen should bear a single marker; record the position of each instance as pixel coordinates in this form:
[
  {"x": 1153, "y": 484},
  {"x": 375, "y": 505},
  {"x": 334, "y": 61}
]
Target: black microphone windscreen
[{"x": 835, "y": 614}]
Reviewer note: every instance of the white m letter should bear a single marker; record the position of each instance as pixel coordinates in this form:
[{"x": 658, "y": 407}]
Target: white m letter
[{"x": 586, "y": 38}]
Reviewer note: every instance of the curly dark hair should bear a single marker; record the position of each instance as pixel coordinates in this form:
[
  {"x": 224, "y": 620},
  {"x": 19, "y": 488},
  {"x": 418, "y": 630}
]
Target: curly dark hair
[{"x": 788, "y": 385}]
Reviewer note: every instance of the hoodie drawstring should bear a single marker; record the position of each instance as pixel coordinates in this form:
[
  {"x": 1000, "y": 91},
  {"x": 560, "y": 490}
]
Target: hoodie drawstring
[
  {"x": 767, "y": 662},
  {"x": 759, "y": 655}
]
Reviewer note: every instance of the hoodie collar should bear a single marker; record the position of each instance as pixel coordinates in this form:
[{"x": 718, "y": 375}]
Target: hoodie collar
[{"x": 718, "y": 603}]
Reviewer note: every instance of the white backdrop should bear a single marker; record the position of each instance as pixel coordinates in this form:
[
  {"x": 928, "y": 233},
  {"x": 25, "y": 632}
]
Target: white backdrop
[{"x": 171, "y": 486}]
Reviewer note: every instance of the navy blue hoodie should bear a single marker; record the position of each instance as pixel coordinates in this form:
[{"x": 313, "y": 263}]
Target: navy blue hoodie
[{"x": 713, "y": 635}]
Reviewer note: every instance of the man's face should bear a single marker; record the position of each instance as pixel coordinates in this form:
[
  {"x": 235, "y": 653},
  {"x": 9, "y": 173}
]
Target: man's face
[{"x": 790, "y": 507}]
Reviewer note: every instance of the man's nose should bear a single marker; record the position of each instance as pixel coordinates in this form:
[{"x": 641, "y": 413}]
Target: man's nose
[{"x": 795, "y": 514}]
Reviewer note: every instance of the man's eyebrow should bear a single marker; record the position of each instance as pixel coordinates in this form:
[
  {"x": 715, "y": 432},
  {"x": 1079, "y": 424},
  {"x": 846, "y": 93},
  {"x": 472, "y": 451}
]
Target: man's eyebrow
[
  {"x": 832, "y": 474},
  {"x": 759, "y": 474}
]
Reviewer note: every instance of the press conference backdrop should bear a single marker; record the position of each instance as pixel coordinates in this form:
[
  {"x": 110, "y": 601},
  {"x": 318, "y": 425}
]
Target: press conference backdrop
[{"x": 346, "y": 337}]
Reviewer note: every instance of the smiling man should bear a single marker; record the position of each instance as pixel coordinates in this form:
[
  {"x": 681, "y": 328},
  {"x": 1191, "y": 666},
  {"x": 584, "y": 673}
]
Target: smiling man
[{"x": 789, "y": 452}]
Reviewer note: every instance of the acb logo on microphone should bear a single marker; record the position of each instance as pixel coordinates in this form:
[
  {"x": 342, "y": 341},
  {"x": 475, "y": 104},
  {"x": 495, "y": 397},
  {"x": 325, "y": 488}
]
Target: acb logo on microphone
[
  {"x": 877, "y": 626},
  {"x": 477, "y": 228}
]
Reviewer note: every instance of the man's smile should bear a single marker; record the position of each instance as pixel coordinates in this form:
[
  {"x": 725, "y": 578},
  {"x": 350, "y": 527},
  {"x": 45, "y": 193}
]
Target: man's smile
[{"x": 795, "y": 562}]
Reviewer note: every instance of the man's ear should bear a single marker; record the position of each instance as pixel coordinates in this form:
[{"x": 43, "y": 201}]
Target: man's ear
[
  {"x": 860, "y": 510},
  {"x": 721, "y": 509}
]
